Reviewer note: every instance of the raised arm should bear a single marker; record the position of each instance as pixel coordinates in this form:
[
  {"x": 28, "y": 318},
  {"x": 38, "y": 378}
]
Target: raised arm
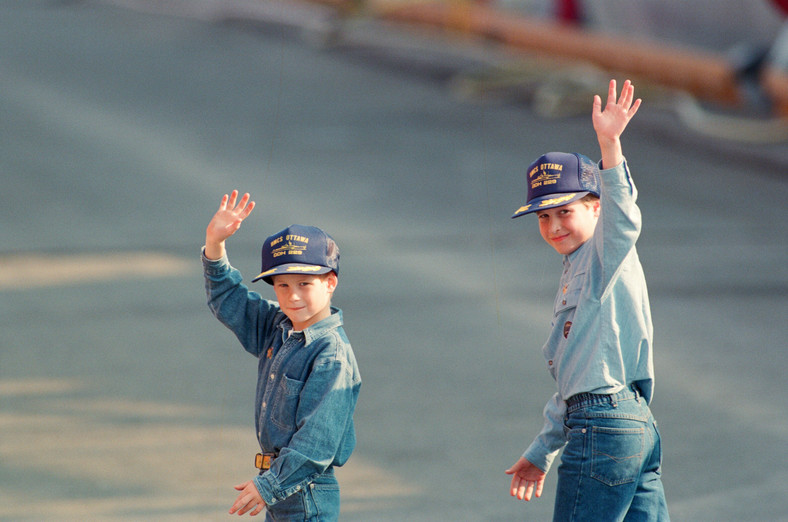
[
  {"x": 610, "y": 123},
  {"x": 225, "y": 223}
]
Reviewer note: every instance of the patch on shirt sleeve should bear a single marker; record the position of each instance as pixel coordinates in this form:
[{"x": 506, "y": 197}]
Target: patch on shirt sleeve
[{"x": 567, "y": 326}]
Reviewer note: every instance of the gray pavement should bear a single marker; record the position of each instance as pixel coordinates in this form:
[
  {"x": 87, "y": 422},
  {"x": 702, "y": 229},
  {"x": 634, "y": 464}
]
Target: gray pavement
[{"x": 122, "y": 399}]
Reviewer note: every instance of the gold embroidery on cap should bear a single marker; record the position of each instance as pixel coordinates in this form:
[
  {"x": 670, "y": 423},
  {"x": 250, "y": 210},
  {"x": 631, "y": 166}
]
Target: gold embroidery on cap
[
  {"x": 304, "y": 268},
  {"x": 558, "y": 200}
]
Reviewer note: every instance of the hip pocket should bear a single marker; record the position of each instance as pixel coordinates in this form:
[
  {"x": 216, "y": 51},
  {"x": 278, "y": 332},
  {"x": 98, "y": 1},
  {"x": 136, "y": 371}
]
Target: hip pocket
[
  {"x": 616, "y": 454},
  {"x": 322, "y": 501}
]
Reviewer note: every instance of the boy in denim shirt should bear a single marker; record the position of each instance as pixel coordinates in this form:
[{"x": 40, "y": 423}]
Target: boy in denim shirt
[
  {"x": 600, "y": 346},
  {"x": 308, "y": 379}
]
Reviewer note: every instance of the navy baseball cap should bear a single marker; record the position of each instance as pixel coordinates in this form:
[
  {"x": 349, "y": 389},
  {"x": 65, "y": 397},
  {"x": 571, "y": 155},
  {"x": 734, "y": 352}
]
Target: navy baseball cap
[
  {"x": 298, "y": 249},
  {"x": 559, "y": 178}
]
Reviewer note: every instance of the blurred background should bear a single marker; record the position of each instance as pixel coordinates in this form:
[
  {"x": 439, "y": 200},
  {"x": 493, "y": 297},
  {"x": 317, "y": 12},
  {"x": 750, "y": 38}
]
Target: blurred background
[{"x": 403, "y": 128}]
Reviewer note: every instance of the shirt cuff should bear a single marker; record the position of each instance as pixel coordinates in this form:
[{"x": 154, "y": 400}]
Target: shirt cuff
[
  {"x": 540, "y": 456},
  {"x": 266, "y": 490},
  {"x": 615, "y": 167},
  {"x": 214, "y": 267}
]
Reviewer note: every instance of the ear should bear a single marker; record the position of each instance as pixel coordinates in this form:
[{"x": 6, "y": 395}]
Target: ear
[
  {"x": 597, "y": 207},
  {"x": 331, "y": 282}
]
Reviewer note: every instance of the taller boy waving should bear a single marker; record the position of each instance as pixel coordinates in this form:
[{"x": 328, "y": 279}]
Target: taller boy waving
[{"x": 599, "y": 349}]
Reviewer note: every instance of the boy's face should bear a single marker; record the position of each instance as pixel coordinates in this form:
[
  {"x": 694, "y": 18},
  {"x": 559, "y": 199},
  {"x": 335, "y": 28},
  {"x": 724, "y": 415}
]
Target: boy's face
[
  {"x": 567, "y": 227},
  {"x": 305, "y": 299}
]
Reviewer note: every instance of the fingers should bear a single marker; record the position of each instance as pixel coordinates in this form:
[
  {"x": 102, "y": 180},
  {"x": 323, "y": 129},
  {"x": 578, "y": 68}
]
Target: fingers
[
  {"x": 248, "y": 500},
  {"x": 611, "y": 92},
  {"x": 245, "y": 206},
  {"x": 233, "y": 197},
  {"x": 635, "y": 107},
  {"x": 246, "y": 503},
  {"x": 625, "y": 100},
  {"x": 523, "y": 489},
  {"x": 243, "y": 202},
  {"x": 539, "y": 488},
  {"x": 597, "y": 107},
  {"x": 241, "y": 208},
  {"x": 529, "y": 489}
]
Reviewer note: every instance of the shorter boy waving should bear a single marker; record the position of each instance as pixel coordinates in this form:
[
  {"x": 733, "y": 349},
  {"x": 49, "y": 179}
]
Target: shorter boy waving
[{"x": 308, "y": 380}]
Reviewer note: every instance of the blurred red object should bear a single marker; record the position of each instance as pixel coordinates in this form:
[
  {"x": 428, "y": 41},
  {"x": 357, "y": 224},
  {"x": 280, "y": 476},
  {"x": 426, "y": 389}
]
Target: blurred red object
[{"x": 568, "y": 11}]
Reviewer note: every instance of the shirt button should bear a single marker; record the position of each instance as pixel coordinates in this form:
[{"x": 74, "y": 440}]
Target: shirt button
[
  {"x": 563, "y": 302},
  {"x": 550, "y": 362},
  {"x": 264, "y": 405},
  {"x": 272, "y": 376}
]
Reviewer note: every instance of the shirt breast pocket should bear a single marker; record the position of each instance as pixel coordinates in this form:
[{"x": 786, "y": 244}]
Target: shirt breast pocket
[
  {"x": 285, "y": 406},
  {"x": 569, "y": 295}
]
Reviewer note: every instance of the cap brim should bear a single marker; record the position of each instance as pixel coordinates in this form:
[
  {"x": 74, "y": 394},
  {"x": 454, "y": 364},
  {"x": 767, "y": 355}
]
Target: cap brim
[
  {"x": 549, "y": 201},
  {"x": 291, "y": 268}
]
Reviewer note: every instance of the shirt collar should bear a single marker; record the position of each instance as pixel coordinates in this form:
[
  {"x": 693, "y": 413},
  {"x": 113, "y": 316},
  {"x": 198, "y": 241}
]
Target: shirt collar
[
  {"x": 568, "y": 259},
  {"x": 318, "y": 329}
]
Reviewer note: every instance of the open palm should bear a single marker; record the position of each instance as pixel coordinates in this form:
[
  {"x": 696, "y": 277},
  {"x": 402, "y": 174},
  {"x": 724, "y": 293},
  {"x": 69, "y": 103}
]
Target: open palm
[{"x": 229, "y": 217}]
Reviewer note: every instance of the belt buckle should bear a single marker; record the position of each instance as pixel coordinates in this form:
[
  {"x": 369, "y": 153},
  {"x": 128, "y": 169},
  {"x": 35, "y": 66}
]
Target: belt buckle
[{"x": 262, "y": 461}]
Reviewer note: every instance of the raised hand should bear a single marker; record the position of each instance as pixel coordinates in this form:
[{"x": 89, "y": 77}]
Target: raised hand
[
  {"x": 226, "y": 222},
  {"x": 610, "y": 123}
]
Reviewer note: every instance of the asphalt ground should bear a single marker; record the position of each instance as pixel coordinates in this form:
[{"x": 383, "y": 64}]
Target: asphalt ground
[{"x": 122, "y": 399}]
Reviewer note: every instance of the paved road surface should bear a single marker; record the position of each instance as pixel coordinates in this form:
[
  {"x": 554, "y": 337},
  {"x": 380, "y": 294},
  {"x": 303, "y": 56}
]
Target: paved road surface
[{"x": 122, "y": 399}]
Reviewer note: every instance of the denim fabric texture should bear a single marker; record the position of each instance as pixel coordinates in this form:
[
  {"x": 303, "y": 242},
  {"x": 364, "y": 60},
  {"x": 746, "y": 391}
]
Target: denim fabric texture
[
  {"x": 307, "y": 388},
  {"x": 319, "y": 502},
  {"x": 601, "y": 333},
  {"x": 611, "y": 466}
]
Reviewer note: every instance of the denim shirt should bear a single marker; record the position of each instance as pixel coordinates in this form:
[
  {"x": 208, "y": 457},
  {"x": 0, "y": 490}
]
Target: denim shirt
[
  {"x": 307, "y": 386},
  {"x": 601, "y": 333}
]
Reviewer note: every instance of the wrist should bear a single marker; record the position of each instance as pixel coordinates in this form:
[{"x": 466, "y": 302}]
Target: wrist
[
  {"x": 214, "y": 250},
  {"x": 611, "y": 152}
]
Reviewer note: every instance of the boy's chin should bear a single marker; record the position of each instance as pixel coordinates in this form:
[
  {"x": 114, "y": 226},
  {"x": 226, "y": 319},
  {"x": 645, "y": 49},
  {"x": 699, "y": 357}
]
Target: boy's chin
[{"x": 567, "y": 249}]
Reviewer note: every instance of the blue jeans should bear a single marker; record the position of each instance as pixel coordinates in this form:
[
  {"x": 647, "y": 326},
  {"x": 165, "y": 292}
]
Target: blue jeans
[
  {"x": 317, "y": 502},
  {"x": 611, "y": 466}
]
